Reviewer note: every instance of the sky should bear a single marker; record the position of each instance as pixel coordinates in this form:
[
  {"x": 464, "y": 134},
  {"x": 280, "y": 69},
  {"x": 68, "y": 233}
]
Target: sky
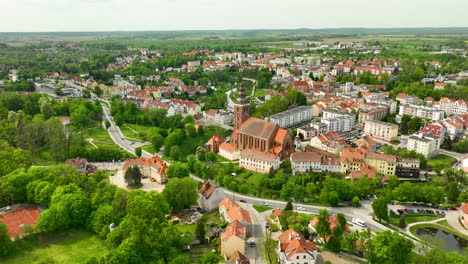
[{"x": 130, "y": 15}]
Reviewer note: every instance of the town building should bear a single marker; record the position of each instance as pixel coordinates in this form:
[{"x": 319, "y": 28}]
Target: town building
[
  {"x": 292, "y": 117},
  {"x": 388, "y": 165},
  {"x": 374, "y": 113},
  {"x": 210, "y": 196},
  {"x": 330, "y": 142},
  {"x": 220, "y": 117},
  {"x": 238, "y": 258},
  {"x": 81, "y": 165},
  {"x": 426, "y": 144},
  {"x": 214, "y": 143},
  {"x": 230, "y": 211},
  {"x": 390, "y": 104},
  {"x": 154, "y": 168},
  {"x": 426, "y": 112},
  {"x": 233, "y": 239},
  {"x": 313, "y": 129},
  {"x": 381, "y": 130},
  {"x": 258, "y": 161},
  {"x": 229, "y": 151},
  {"x": 303, "y": 162},
  {"x": 338, "y": 121},
  {"x": 294, "y": 248}
]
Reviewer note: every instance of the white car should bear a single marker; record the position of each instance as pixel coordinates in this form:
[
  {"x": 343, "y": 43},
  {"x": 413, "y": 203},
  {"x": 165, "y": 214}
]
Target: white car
[
  {"x": 358, "y": 222},
  {"x": 264, "y": 204},
  {"x": 300, "y": 208}
]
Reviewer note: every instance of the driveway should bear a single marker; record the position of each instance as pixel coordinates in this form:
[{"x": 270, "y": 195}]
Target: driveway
[{"x": 118, "y": 179}]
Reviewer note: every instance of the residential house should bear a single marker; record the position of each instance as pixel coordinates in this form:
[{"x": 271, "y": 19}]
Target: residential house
[
  {"x": 302, "y": 162},
  {"x": 258, "y": 161},
  {"x": 294, "y": 248},
  {"x": 426, "y": 112},
  {"x": 464, "y": 214},
  {"x": 334, "y": 223},
  {"x": 381, "y": 130},
  {"x": 229, "y": 151},
  {"x": 233, "y": 239},
  {"x": 330, "y": 142},
  {"x": 292, "y": 117},
  {"x": 426, "y": 144},
  {"x": 81, "y": 165},
  {"x": 213, "y": 143},
  {"x": 238, "y": 258},
  {"x": 210, "y": 196}
]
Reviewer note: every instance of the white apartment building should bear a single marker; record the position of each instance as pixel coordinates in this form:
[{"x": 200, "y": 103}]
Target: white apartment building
[
  {"x": 381, "y": 130},
  {"x": 292, "y": 117},
  {"x": 258, "y": 161},
  {"x": 426, "y": 144},
  {"x": 302, "y": 162},
  {"x": 337, "y": 121},
  {"x": 426, "y": 112}
]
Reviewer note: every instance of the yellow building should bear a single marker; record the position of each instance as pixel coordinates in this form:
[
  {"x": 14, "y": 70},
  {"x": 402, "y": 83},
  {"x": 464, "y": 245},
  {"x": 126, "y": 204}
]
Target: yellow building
[
  {"x": 233, "y": 239},
  {"x": 381, "y": 130}
]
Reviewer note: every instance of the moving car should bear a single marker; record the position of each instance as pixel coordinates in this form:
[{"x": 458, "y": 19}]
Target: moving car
[
  {"x": 242, "y": 201},
  {"x": 358, "y": 222},
  {"x": 300, "y": 208},
  {"x": 252, "y": 243},
  {"x": 264, "y": 204}
]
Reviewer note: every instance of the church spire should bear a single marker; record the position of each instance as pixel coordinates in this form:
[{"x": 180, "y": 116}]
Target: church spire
[{"x": 242, "y": 93}]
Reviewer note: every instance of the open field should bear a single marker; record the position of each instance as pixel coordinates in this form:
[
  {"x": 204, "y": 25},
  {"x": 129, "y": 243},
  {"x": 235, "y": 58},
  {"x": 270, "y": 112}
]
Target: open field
[
  {"x": 441, "y": 160},
  {"x": 72, "y": 247}
]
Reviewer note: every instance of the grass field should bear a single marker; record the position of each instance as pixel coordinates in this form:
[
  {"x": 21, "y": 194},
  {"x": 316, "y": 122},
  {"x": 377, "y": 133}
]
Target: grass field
[
  {"x": 261, "y": 208},
  {"x": 100, "y": 136},
  {"x": 73, "y": 247},
  {"x": 134, "y": 132},
  {"x": 413, "y": 219},
  {"x": 441, "y": 160}
]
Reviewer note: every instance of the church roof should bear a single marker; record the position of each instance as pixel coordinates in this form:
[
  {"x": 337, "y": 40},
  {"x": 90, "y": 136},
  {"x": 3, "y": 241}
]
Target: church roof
[{"x": 258, "y": 128}]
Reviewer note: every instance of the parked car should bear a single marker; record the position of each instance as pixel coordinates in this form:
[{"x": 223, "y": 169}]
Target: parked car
[
  {"x": 401, "y": 211},
  {"x": 395, "y": 212},
  {"x": 242, "y": 201},
  {"x": 407, "y": 211},
  {"x": 452, "y": 208},
  {"x": 358, "y": 222}
]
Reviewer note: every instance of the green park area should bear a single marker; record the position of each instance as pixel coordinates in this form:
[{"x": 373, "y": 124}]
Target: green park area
[
  {"x": 70, "y": 247},
  {"x": 441, "y": 161}
]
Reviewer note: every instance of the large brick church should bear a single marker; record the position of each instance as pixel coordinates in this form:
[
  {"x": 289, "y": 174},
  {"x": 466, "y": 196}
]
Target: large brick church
[{"x": 257, "y": 143}]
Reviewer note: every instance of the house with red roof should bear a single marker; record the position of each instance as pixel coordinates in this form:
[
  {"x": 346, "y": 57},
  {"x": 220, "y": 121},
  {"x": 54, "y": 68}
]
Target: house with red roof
[
  {"x": 231, "y": 211},
  {"x": 210, "y": 196},
  {"x": 238, "y": 258},
  {"x": 294, "y": 248},
  {"x": 333, "y": 224},
  {"x": 153, "y": 168},
  {"x": 233, "y": 239}
]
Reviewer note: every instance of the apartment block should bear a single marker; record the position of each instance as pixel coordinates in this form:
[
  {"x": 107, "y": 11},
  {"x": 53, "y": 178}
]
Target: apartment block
[
  {"x": 381, "y": 130},
  {"x": 426, "y": 144},
  {"x": 390, "y": 104},
  {"x": 375, "y": 113},
  {"x": 292, "y": 117},
  {"x": 338, "y": 121},
  {"x": 426, "y": 112}
]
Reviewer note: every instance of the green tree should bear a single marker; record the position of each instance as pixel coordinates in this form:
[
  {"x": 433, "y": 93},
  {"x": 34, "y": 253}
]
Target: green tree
[
  {"x": 5, "y": 242},
  {"x": 177, "y": 169},
  {"x": 108, "y": 124},
  {"x": 323, "y": 225},
  {"x": 402, "y": 223},
  {"x": 289, "y": 206},
  {"x": 181, "y": 193},
  {"x": 182, "y": 259},
  {"x": 157, "y": 141},
  {"x": 97, "y": 91},
  {"x": 356, "y": 202},
  {"x": 133, "y": 176},
  {"x": 453, "y": 192},
  {"x": 388, "y": 247},
  {"x": 200, "y": 231},
  {"x": 380, "y": 207},
  {"x": 211, "y": 156},
  {"x": 138, "y": 151},
  {"x": 209, "y": 258}
]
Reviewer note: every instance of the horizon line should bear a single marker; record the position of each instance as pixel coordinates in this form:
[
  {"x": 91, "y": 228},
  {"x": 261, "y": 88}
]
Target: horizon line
[{"x": 251, "y": 29}]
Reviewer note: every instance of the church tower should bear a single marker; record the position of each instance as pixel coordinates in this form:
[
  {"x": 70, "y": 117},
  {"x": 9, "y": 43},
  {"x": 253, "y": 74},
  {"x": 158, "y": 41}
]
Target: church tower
[{"x": 241, "y": 108}]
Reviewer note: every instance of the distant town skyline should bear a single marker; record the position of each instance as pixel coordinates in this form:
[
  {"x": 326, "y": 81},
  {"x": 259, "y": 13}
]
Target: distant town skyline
[{"x": 139, "y": 15}]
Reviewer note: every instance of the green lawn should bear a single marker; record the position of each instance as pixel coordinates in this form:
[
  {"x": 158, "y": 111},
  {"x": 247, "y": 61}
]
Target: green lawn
[
  {"x": 133, "y": 132},
  {"x": 395, "y": 220},
  {"x": 256, "y": 178},
  {"x": 101, "y": 138},
  {"x": 441, "y": 160},
  {"x": 395, "y": 142},
  {"x": 75, "y": 247},
  {"x": 261, "y": 208}
]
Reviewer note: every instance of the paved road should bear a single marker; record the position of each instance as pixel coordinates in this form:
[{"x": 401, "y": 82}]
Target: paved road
[{"x": 230, "y": 103}]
